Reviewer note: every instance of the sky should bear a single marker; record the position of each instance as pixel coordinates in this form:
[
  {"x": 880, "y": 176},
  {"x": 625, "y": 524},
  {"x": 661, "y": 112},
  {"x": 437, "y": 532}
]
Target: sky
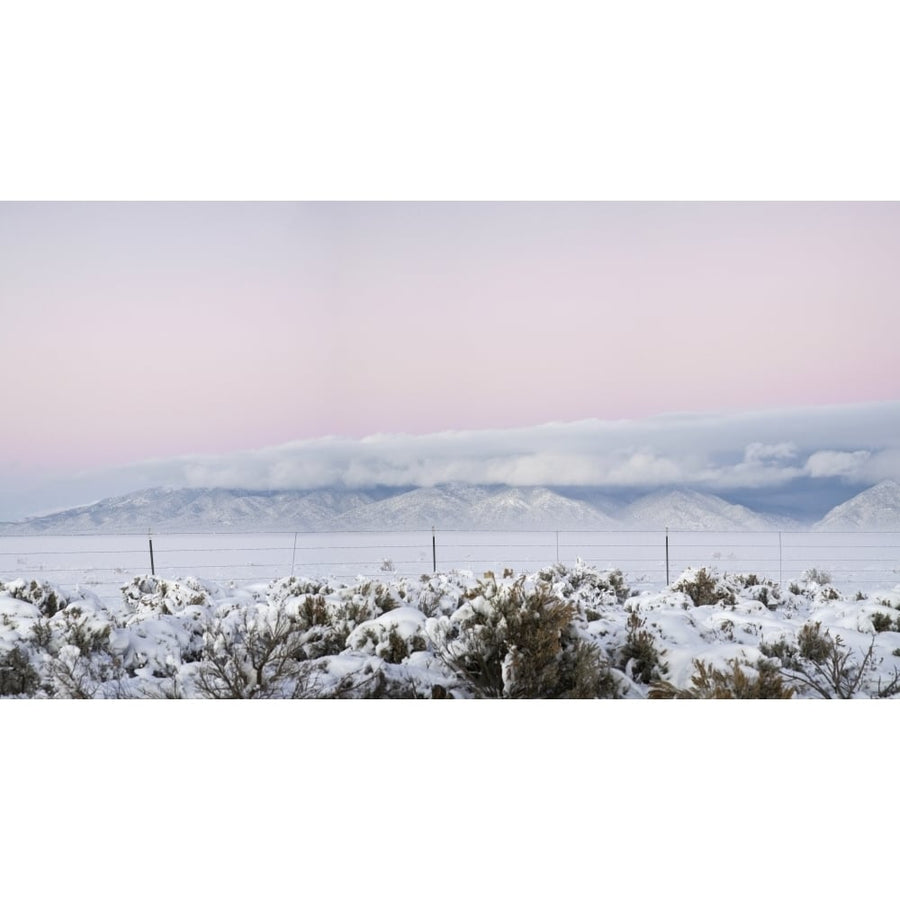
[
  {"x": 784, "y": 320},
  {"x": 139, "y": 333}
]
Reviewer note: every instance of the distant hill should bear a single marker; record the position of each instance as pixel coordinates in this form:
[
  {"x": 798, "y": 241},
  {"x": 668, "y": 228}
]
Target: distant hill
[
  {"x": 875, "y": 509},
  {"x": 203, "y": 509},
  {"x": 538, "y": 507},
  {"x": 217, "y": 509},
  {"x": 444, "y": 507},
  {"x": 415, "y": 509},
  {"x": 687, "y": 510}
]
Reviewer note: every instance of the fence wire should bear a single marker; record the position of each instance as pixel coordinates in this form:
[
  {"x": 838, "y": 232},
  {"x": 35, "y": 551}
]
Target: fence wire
[{"x": 855, "y": 561}]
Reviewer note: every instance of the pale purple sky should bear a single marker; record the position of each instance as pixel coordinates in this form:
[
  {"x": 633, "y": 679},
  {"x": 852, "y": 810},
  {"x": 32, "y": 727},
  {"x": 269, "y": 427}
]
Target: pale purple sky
[{"x": 149, "y": 330}]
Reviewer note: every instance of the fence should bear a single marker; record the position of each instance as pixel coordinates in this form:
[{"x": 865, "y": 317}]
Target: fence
[
  {"x": 650, "y": 559},
  {"x": 863, "y": 561}
]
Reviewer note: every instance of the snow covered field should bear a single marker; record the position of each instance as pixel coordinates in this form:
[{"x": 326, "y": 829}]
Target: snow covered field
[
  {"x": 592, "y": 790},
  {"x": 561, "y": 631},
  {"x": 863, "y": 561}
]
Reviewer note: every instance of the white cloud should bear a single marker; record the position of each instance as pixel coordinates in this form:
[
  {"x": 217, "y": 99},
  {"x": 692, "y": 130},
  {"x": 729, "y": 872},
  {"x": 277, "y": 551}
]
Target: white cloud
[
  {"x": 726, "y": 451},
  {"x": 645, "y": 467},
  {"x": 762, "y": 453},
  {"x": 831, "y": 463},
  {"x": 882, "y": 465}
]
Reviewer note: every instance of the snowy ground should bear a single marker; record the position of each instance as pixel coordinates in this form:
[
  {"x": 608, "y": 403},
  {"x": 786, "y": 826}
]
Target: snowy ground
[
  {"x": 562, "y": 631},
  {"x": 358, "y": 797},
  {"x": 855, "y": 561}
]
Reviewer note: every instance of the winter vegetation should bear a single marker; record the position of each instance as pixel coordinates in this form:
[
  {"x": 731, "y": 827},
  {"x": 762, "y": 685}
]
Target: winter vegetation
[{"x": 562, "y": 632}]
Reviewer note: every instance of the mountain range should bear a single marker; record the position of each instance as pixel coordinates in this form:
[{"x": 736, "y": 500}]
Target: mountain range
[{"x": 444, "y": 507}]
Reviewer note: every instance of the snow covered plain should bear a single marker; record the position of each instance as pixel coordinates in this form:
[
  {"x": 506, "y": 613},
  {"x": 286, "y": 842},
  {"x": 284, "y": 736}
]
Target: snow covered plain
[
  {"x": 557, "y": 631},
  {"x": 589, "y": 790},
  {"x": 856, "y": 561}
]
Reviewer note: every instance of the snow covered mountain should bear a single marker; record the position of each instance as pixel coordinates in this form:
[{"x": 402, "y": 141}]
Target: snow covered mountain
[
  {"x": 875, "y": 509},
  {"x": 202, "y": 509},
  {"x": 471, "y": 506},
  {"x": 216, "y": 509},
  {"x": 537, "y": 507},
  {"x": 686, "y": 510},
  {"x": 445, "y": 507}
]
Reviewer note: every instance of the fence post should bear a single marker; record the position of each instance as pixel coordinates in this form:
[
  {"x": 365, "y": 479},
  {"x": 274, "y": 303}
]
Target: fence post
[
  {"x": 294, "y": 554},
  {"x": 433, "y": 551},
  {"x": 152, "y": 566},
  {"x": 557, "y": 546},
  {"x": 667, "y": 556},
  {"x": 780, "y": 562}
]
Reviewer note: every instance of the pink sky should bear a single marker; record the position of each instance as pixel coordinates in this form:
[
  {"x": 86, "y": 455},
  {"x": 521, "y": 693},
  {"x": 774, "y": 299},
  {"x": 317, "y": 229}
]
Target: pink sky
[{"x": 134, "y": 331}]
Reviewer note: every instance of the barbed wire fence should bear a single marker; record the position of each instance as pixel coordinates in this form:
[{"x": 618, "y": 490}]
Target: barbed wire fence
[{"x": 862, "y": 561}]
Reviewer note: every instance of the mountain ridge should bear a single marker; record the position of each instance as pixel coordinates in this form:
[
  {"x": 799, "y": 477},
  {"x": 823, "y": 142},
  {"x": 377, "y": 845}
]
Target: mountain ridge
[
  {"x": 450, "y": 507},
  {"x": 875, "y": 509}
]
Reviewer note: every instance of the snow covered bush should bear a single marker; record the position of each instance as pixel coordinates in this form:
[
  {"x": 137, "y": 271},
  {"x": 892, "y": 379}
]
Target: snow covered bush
[
  {"x": 76, "y": 656},
  {"x": 753, "y": 587},
  {"x": 884, "y": 622},
  {"x": 253, "y": 652},
  {"x": 639, "y": 657},
  {"x": 42, "y": 595},
  {"x": 738, "y": 682},
  {"x": 439, "y": 594},
  {"x": 816, "y": 585},
  {"x": 821, "y": 664},
  {"x": 816, "y": 576},
  {"x": 162, "y": 630},
  {"x": 584, "y": 582},
  {"x": 149, "y": 595},
  {"x": 704, "y": 587},
  {"x": 560, "y": 632},
  {"x": 514, "y": 638},
  {"x": 393, "y": 636},
  {"x": 18, "y": 677}
]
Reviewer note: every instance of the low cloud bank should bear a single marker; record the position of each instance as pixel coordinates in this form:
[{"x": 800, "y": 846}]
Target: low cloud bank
[
  {"x": 736, "y": 453},
  {"x": 860, "y": 444}
]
